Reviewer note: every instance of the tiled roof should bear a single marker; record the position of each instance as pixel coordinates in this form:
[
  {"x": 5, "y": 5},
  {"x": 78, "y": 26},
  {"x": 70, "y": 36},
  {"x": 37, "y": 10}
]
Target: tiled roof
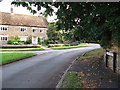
[{"x": 21, "y": 20}]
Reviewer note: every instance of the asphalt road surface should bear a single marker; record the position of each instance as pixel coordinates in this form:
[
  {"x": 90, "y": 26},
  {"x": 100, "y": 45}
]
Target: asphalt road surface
[{"x": 41, "y": 71}]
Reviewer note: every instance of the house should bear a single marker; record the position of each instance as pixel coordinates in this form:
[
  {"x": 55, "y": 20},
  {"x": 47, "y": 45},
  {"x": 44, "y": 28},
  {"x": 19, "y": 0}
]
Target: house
[{"x": 22, "y": 26}]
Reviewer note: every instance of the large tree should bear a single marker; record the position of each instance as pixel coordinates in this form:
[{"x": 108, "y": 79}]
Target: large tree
[
  {"x": 93, "y": 21},
  {"x": 53, "y": 33}
]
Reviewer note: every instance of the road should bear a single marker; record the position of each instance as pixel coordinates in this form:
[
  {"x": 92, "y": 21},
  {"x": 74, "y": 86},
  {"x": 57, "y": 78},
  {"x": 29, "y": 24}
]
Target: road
[{"x": 41, "y": 71}]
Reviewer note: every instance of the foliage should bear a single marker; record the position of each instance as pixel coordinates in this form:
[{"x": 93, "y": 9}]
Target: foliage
[
  {"x": 49, "y": 41},
  {"x": 46, "y": 42},
  {"x": 61, "y": 36},
  {"x": 39, "y": 41},
  {"x": 53, "y": 34},
  {"x": 15, "y": 40},
  {"x": 69, "y": 47},
  {"x": 29, "y": 40},
  {"x": 93, "y": 21}
]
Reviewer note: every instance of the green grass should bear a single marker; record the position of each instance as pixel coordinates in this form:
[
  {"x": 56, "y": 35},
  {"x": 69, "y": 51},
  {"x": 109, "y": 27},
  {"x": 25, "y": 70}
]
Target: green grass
[
  {"x": 11, "y": 57},
  {"x": 18, "y": 49},
  {"x": 71, "y": 81},
  {"x": 94, "y": 53},
  {"x": 69, "y": 47}
]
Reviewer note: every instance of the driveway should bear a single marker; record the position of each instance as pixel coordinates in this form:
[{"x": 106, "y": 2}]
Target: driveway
[{"x": 42, "y": 71}]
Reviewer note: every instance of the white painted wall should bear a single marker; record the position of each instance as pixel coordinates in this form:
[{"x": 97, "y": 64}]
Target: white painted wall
[{"x": 23, "y": 38}]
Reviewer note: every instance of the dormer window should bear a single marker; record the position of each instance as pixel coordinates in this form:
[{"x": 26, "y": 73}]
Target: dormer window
[{"x": 23, "y": 29}]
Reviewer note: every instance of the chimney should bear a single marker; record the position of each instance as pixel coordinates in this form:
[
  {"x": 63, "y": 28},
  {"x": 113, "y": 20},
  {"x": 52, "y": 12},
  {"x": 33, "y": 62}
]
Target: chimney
[{"x": 11, "y": 10}]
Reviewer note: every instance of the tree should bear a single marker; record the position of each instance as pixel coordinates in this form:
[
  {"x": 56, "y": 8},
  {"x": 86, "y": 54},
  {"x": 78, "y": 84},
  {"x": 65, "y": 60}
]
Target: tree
[
  {"x": 52, "y": 33},
  {"x": 92, "y": 21}
]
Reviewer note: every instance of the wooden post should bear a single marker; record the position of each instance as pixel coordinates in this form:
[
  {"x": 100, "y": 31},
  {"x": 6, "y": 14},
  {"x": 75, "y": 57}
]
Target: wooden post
[
  {"x": 114, "y": 61},
  {"x": 106, "y": 58}
]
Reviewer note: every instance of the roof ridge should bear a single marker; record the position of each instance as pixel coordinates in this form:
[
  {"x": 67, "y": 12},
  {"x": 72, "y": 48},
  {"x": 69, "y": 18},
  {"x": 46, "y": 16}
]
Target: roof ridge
[
  {"x": 21, "y": 14},
  {"x": 22, "y": 19}
]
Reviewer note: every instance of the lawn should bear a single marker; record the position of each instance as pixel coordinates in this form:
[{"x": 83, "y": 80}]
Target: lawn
[
  {"x": 21, "y": 49},
  {"x": 13, "y": 56},
  {"x": 71, "y": 81},
  {"x": 69, "y": 47}
]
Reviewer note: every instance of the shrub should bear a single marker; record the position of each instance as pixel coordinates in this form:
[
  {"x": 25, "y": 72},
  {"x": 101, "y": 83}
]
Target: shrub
[
  {"x": 15, "y": 41},
  {"x": 39, "y": 41},
  {"x": 46, "y": 42},
  {"x": 29, "y": 40},
  {"x": 11, "y": 41},
  {"x": 55, "y": 45}
]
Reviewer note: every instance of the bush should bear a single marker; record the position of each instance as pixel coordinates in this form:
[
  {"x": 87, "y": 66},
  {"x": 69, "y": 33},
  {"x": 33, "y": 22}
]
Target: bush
[
  {"x": 39, "y": 41},
  {"x": 15, "y": 40},
  {"x": 46, "y": 42},
  {"x": 55, "y": 45},
  {"x": 29, "y": 40},
  {"x": 11, "y": 41}
]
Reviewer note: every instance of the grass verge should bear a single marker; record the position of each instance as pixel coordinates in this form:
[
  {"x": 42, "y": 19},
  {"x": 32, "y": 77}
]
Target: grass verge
[
  {"x": 21, "y": 49},
  {"x": 69, "y": 47},
  {"x": 71, "y": 81},
  {"x": 11, "y": 57},
  {"x": 94, "y": 53}
]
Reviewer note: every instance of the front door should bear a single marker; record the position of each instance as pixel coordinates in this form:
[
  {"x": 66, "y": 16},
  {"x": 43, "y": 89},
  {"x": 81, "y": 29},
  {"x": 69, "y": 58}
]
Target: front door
[{"x": 34, "y": 40}]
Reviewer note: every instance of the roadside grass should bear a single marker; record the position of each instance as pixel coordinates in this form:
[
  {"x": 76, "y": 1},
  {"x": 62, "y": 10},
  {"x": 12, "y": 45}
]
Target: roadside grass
[
  {"x": 11, "y": 57},
  {"x": 94, "y": 53},
  {"x": 71, "y": 81},
  {"x": 69, "y": 47},
  {"x": 21, "y": 49}
]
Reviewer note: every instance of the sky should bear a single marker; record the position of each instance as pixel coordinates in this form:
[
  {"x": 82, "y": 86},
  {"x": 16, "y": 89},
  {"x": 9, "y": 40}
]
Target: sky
[{"x": 5, "y": 6}]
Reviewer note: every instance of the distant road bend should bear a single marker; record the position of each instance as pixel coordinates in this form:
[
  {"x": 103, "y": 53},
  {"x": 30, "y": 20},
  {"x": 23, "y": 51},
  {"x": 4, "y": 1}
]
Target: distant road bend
[{"x": 41, "y": 71}]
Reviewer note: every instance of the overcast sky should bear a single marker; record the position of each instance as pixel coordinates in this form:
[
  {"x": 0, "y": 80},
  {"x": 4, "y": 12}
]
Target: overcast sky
[{"x": 5, "y": 6}]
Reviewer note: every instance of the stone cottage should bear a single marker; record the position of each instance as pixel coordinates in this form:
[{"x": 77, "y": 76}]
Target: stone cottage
[{"x": 22, "y": 26}]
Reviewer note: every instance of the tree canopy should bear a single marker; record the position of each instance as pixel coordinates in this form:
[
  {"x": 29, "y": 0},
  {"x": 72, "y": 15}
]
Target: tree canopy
[{"x": 92, "y": 21}]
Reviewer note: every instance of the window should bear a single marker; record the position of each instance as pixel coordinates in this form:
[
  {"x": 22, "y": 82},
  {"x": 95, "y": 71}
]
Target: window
[
  {"x": 40, "y": 30},
  {"x": 23, "y": 29},
  {"x": 4, "y": 38},
  {"x": 34, "y": 30},
  {"x": 3, "y": 28}
]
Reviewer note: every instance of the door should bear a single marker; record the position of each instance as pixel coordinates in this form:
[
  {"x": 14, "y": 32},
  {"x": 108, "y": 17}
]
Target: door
[{"x": 34, "y": 40}]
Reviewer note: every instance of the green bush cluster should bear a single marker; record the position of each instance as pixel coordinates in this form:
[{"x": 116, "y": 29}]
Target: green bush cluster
[
  {"x": 48, "y": 41},
  {"x": 39, "y": 41},
  {"x": 17, "y": 41},
  {"x": 29, "y": 41}
]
